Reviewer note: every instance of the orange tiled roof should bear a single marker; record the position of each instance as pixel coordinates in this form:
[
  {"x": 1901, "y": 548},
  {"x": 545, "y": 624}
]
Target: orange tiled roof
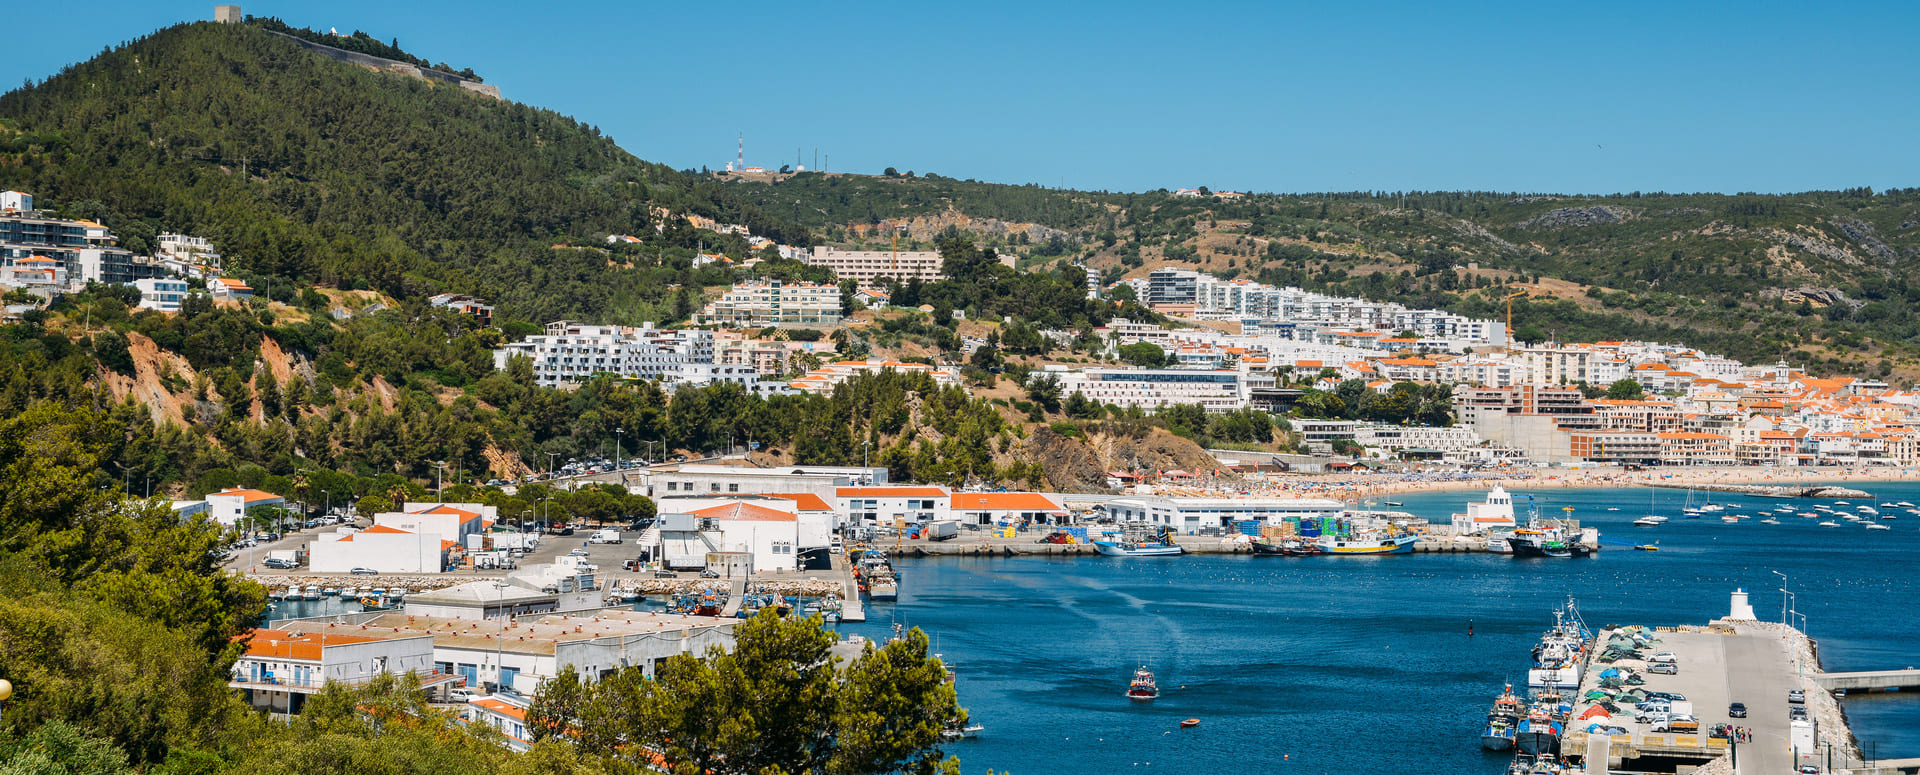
[
  {"x": 807, "y": 501},
  {"x": 1003, "y": 501},
  {"x": 744, "y": 512}
]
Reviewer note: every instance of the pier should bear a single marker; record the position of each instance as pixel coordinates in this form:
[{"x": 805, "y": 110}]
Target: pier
[
  {"x": 1772, "y": 490},
  {"x": 1870, "y": 681}
]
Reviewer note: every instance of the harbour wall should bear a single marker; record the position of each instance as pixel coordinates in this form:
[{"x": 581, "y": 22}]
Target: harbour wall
[{"x": 1772, "y": 490}]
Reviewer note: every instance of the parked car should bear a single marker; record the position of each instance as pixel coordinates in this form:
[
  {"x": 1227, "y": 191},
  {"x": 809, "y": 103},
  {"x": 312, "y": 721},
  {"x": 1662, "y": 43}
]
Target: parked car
[
  {"x": 1664, "y": 668},
  {"x": 1737, "y": 710},
  {"x": 1668, "y": 696},
  {"x": 580, "y": 552},
  {"x": 279, "y": 564},
  {"x": 1797, "y": 695},
  {"x": 462, "y": 694},
  {"x": 665, "y": 574},
  {"x": 709, "y": 573},
  {"x": 1797, "y": 713},
  {"x": 1663, "y": 656},
  {"x": 364, "y": 572}
]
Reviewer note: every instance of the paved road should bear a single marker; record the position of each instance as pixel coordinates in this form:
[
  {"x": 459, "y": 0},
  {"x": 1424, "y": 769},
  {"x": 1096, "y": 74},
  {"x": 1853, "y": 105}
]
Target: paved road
[{"x": 1759, "y": 673}]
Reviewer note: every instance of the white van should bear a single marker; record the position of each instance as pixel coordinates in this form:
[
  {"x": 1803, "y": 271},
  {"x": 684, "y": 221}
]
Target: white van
[
  {"x": 607, "y": 536},
  {"x": 462, "y": 694}
]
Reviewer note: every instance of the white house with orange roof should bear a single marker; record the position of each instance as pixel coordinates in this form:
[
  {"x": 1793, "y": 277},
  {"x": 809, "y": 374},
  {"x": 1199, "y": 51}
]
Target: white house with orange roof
[
  {"x": 280, "y": 669},
  {"x": 451, "y": 521},
  {"x": 770, "y": 534},
  {"x": 383, "y": 548},
  {"x": 228, "y": 506},
  {"x": 503, "y": 713},
  {"x": 228, "y": 289},
  {"x": 1019, "y": 508},
  {"x": 894, "y": 506},
  {"x": 35, "y": 273}
]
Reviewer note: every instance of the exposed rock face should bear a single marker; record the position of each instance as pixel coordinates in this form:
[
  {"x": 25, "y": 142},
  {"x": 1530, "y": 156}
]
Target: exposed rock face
[
  {"x": 1567, "y": 217},
  {"x": 1863, "y": 234},
  {"x": 1825, "y": 297}
]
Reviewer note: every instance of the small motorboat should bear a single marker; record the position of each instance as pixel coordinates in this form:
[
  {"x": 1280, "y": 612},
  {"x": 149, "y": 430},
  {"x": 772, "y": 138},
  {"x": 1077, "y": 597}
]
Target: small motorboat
[
  {"x": 1769, "y": 521},
  {"x": 1829, "y": 524},
  {"x": 1143, "y": 686},
  {"x": 1877, "y": 526},
  {"x": 1190, "y": 723},
  {"x": 1648, "y": 547},
  {"x": 1647, "y": 522}
]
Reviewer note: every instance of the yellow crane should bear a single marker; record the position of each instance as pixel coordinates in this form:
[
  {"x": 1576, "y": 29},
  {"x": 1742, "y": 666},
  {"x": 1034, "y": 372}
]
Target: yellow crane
[{"x": 1510, "y": 298}]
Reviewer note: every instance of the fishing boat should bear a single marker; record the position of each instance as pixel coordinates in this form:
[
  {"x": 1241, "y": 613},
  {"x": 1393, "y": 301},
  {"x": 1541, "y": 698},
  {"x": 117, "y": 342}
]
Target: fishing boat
[
  {"x": 1369, "y": 542},
  {"x": 377, "y": 604},
  {"x": 1137, "y": 544},
  {"x": 1497, "y": 540},
  {"x": 1558, "y": 657},
  {"x": 1143, "y": 686},
  {"x": 1539, "y": 736},
  {"x": 1290, "y": 547},
  {"x": 1503, "y": 722},
  {"x": 311, "y": 593}
]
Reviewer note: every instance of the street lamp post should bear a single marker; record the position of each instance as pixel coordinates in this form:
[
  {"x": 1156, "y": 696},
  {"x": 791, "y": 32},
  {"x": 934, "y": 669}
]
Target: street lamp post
[
  {"x": 440, "y": 484},
  {"x": 617, "y": 433},
  {"x": 1783, "y": 596}
]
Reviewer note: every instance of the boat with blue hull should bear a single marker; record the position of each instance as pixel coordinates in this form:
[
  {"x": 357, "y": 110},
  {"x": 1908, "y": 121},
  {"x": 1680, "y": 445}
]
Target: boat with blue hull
[
  {"x": 1503, "y": 722},
  {"x": 1136, "y": 543}
]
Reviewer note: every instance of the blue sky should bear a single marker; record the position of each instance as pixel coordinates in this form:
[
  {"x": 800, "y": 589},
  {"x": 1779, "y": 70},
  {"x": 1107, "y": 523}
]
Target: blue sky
[{"x": 1261, "y": 96}]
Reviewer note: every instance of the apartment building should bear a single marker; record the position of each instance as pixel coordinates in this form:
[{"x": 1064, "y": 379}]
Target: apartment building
[
  {"x": 1215, "y": 390},
  {"x": 822, "y": 380},
  {"x": 865, "y": 266},
  {"x": 571, "y": 352},
  {"x": 772, "y": 303},
  {"x": 78, "y": 252}
]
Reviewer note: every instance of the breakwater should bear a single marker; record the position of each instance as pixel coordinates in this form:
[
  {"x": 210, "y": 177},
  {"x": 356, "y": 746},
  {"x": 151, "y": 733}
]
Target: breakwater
[{"x": 1772, "y": 490}]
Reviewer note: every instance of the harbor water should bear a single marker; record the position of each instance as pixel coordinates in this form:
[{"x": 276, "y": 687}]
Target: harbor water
[{"x": 1377, "y": 664}]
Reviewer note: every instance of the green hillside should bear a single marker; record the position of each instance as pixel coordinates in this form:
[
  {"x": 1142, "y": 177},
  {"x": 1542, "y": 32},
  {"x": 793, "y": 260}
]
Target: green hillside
[
  {"x": 309, "y": 170},
  {"x": 1826, "y": 278}
]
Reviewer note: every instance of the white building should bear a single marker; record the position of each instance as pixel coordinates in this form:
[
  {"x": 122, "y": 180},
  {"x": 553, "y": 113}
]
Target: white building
[
  {"x": 524, "y": 653},
  {"x": 228, "y": 289},
  {"x": 383, "y": 548},
  {"x": 281, "y": 668},
  {"x": 1189, "y": 515},
  {"x": 1019, "y": 508},
  {"x": 772, "y": 302},
  {"x": 691, "y": 479},
  {"x": 228, "y": 506},
  {"x": 1216, "y": 391},
  {"x": 894, "y": 506},
  {"x": 159, "y": 293},
  {"x": 865, "y": 266},
  {"x": 571, "y": 352},
  {"x": 770, "y": 535}
]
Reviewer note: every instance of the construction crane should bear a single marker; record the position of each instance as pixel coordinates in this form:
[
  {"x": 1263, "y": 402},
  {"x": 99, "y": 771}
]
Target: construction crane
[{"x": 1510, "y": 298}]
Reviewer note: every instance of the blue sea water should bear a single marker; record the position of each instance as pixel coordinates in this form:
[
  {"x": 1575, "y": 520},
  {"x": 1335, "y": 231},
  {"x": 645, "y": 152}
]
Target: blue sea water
[{"x": 1351, "y": 664}]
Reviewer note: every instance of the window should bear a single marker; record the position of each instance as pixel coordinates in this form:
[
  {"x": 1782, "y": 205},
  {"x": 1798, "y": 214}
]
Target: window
[
  {"x": 733, "y": 487},
  {"x": 672, "y": 486},
  {"x": 713, "y": 487}
]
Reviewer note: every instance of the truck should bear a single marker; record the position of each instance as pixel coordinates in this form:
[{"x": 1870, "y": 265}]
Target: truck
[
  {"x": 526, "y": 541},
  {"x": 605, "y": 536},
  {"x": 943, "y": 530}
]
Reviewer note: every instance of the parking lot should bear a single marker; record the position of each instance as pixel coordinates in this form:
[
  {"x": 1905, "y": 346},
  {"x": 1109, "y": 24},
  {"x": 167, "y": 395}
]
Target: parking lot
[{"x": 1716, "y": 669}]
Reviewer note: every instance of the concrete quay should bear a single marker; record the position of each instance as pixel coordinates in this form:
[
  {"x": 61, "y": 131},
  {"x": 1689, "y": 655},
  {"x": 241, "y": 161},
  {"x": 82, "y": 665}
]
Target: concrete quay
[
  {"x": 1756, "y": 663},
  {"x": 1772, "y": 490},
  {"x": 1026, "y": 546}
]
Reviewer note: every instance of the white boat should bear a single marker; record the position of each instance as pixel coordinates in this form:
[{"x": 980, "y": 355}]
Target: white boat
[
  {"x": 350, "y": 593},
  {"x": 1730, "y": 519},
  {"x": 1497, "y": 542},
  {"x": 1648, "y": 521},
  {"x": 1877, "y": 526},
  {"x": 1829, "y": 524},
  {"x": 1769, "y": 521},
  {"x": 1613, "y": 508},
  {"x": 330, "y": 591},
  {"x": 312, "y": 593},
  {"x": 279, "y": 593}
]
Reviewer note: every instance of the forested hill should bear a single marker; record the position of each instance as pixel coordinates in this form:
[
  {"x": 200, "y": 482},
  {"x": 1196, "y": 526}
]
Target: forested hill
[
  {"x": 1825, "y": 278},
  {"x": 309, "y": 170}
]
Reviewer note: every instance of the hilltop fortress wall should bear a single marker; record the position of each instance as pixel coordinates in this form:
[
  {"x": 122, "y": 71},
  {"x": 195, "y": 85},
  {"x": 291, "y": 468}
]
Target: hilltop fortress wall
[{"x": 392, "y": 66}]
